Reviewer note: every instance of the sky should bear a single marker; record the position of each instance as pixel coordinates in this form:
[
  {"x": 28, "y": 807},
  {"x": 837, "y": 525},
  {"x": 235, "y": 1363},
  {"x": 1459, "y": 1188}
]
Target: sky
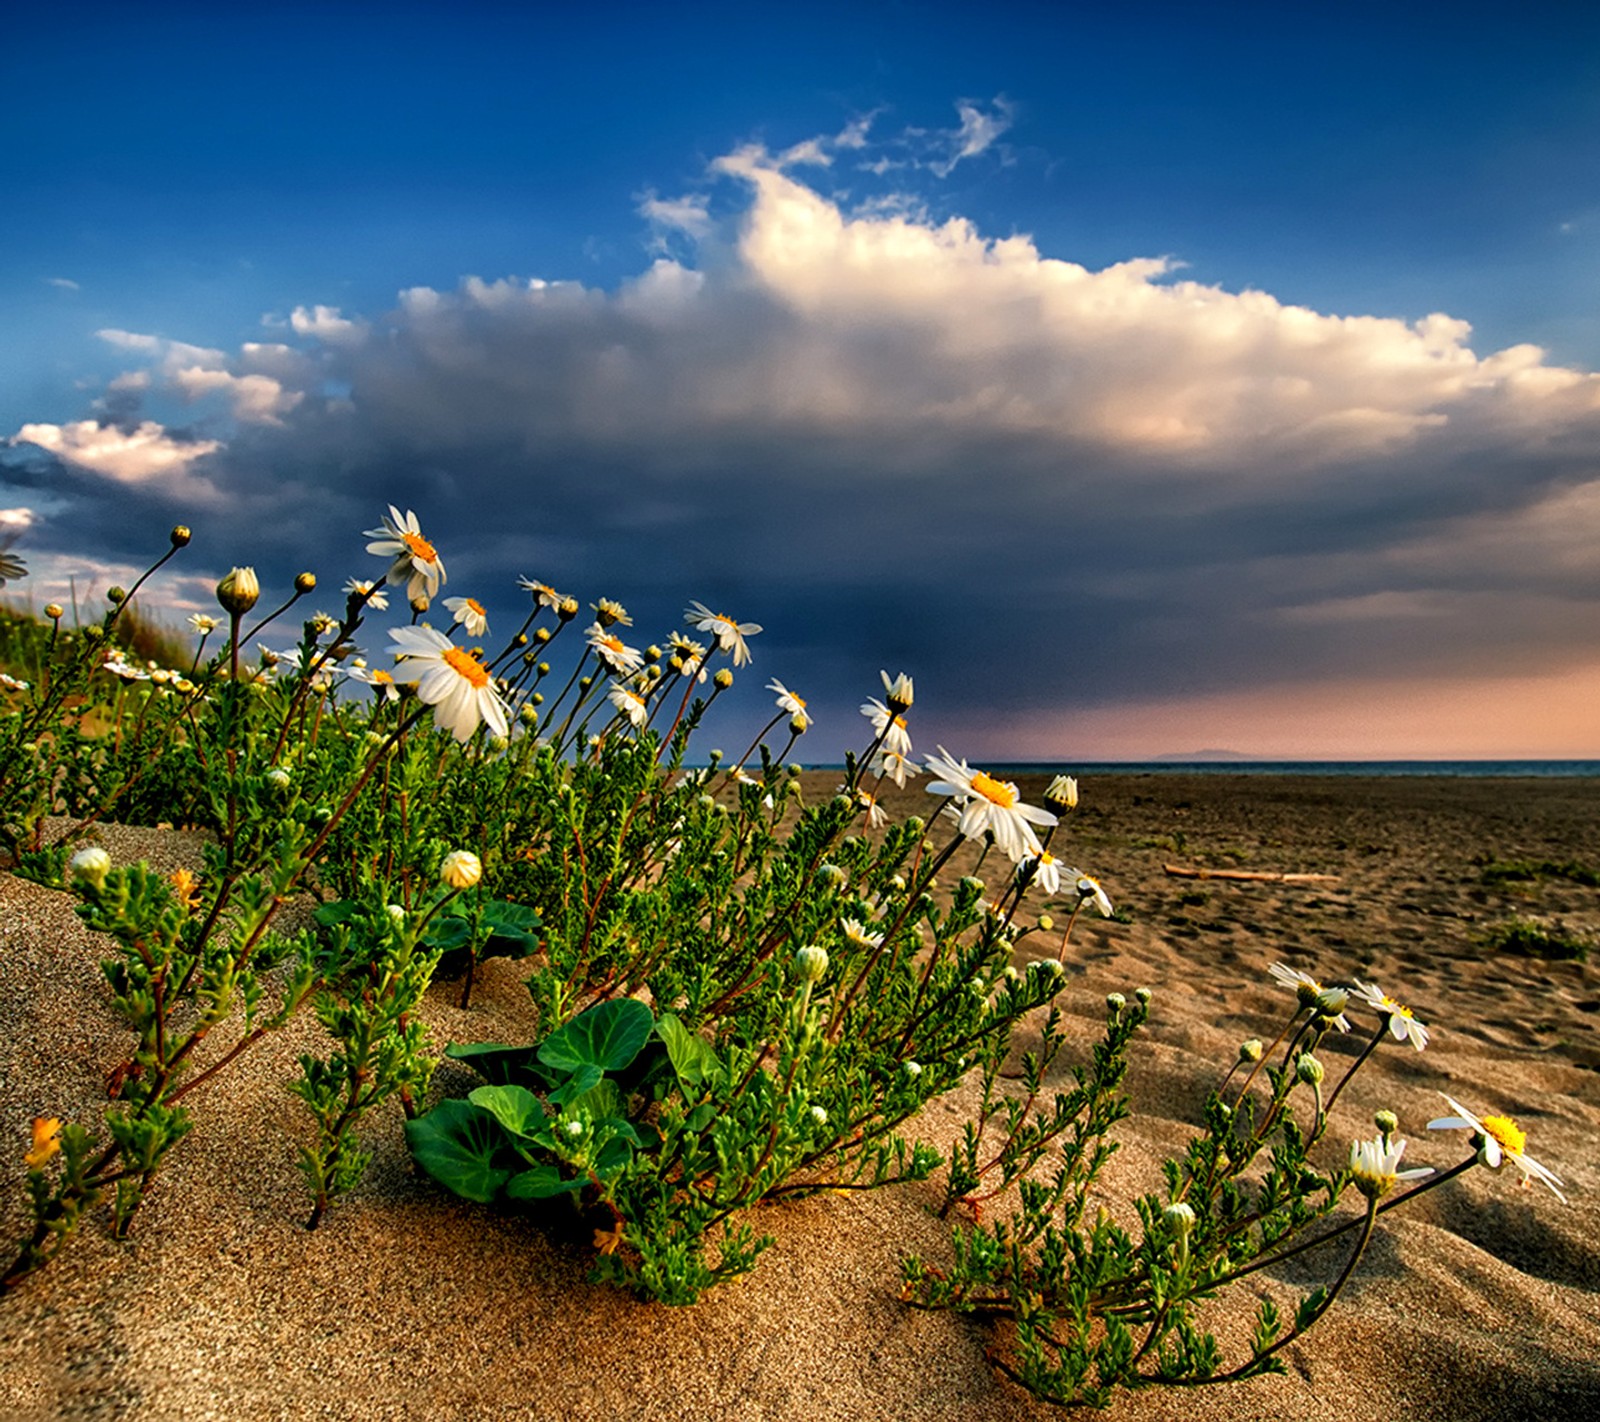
[{"x": 1141, "y": 379}]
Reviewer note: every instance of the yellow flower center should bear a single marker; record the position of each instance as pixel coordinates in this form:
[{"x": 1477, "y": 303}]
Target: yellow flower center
[
  {"x": 1398, "y": 1009},
  {"x": 1510, "y": 1135},
  {"x": 612, "y": 644},
  {"x": 382, "y": 678},
  {"x": 997, "y": 792},
  {"x": 476, "y": 606},
  {"x": 466, "y": 665},
  {"x": 419, "y": 547},
  {"x": 900, "y": 721}
]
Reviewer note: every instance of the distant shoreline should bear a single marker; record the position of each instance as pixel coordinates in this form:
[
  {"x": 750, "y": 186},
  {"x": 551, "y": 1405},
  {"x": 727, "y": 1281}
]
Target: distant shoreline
[{"x": 1445, "y": 769}]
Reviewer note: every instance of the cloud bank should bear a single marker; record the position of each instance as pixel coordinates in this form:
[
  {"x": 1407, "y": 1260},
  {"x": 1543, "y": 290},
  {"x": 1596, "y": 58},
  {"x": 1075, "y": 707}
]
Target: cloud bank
[{"x": 894, "y": 439}]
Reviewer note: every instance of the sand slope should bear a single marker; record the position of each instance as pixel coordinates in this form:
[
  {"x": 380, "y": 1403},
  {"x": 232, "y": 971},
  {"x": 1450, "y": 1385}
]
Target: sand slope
[{"x": 407, "y": 1303}]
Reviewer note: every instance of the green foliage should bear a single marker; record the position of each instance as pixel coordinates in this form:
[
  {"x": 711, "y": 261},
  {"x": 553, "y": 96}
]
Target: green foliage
[
  {"x": 1530, "y": 871},
  {"x": 1535, "y": 938}
]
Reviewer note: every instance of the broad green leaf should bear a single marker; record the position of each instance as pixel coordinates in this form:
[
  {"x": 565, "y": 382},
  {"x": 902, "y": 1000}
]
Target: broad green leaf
[
  {"x": 339, "y": 911},
  {"x": 456, "y": 1144},
  {"x": 612, "y": 1157},
  {"x": 541, "y": 1183},
  {"x": 498, "y": 1063},
  {"x": 448, "y": 933},
  {"x": 694, "y": 1060},
  {"x": 516, "y": 1108},
  {"x": 513, "y": 929},
  {"x": 609, "y": 1034},
  {"x": 579, "y": 1084}
]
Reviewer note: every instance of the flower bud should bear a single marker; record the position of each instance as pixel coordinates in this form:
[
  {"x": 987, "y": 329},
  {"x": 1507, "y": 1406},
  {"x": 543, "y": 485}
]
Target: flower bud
[
  {"x": 1046, "y": 923},
  {"x": 811, "y": 963},
  {"x": 1115, "y": 1002},
  {"x": 1178, "y": 1217},
  {"x": 90, "y": 866},
  {"x": 397, "y": 914},
  {"x": 1309, "y": 1069},
  {"x": 116, "y": 594},
  {"x": 1143, "y": 996},
  {"x": 652, "y": 653},
  {"x": 899, "y": 693},
  {"x": 1250, "y": 1050},
  {"x": 420, "y": 603},
  {"x": 723, "y": 679},
  {"x": 304, "y": 583},
  {"x": 799, "y": 725},
  {"x": 238, "y": 591},
  {"x": 1386, "y": 1122},
  {"x": 180, "y": 535},
  {"x": 461, "y": 869},
  {"x": 819, "y": 1115},
  {"x": 1330, "y": 1002},
  {"x": 568, "y": 609},
  {"x": 529, "y": 716},
  {"x": 541, "y": 635},
  {"x": 912, "y": 1069}
]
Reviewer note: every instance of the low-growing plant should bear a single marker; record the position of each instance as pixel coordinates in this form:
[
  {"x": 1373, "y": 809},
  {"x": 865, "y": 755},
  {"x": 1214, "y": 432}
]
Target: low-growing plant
[
  {"x": 741, "y": 997},
  {"x": 1538, "y": 938}
]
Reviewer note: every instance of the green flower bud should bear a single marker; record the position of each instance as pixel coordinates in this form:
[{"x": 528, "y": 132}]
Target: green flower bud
[
  {"x": 1178, "y": 1217},
  {"x": 304, "y": 583},
  {"x": 1309, "y": 1069},
  {"x": 239, "y": 591},
  {"x": 461, "y": 869},
  {"x": 180, "y": 535},
  {"x": 811, "y": 963},
  {"x": 1386, "y": 1122},
  {"x": 54, "y": 611},
  {"x": 1250, "y": 1050},
  {"x": 1143, "y": 995},
  {"x": 723, "y": 679},
  {"x": 1115, "y": 1002}
]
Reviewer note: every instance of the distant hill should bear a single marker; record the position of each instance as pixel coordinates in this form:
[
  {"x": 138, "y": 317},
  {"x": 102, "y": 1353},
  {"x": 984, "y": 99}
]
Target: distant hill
[{"x": 1203, "y": 755}]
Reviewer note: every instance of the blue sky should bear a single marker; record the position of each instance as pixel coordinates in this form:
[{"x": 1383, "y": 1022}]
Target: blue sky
[{"x": 809, "y": 342}]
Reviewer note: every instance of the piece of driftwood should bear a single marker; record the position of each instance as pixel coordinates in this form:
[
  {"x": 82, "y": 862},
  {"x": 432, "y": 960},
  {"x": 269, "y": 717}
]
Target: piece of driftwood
[{"x": 1251, "y": 875}]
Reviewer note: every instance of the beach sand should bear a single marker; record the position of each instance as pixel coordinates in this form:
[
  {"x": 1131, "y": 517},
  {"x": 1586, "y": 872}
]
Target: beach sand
[{"x": 1482, "y": 1302}]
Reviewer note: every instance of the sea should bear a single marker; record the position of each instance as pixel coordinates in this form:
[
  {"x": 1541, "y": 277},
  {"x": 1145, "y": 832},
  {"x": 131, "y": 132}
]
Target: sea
[{"x": 1478, "y": 769}]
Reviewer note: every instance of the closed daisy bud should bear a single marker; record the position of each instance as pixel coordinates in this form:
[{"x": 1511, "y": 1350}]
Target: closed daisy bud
[
  {"x": 723, "y": 679},
  {"x": 304, "y": 583},
  {"x": 1062, "y": 793},
  {"x": 1387, "y": 1123},
  {"x": 54, "y": 611},
  {"x": 90, "y": 866},
  {"x": 1115, "y": 1002},
  {"x": 397, "y": 914},
  {"x": 568, "y": 609},
  {"x": 239, "y": 591},
  {"x": 811, "y": 963},
  {"x": 461, "y": 869},
  {"x": 1250, "y": 1050},
  {"x": 180, "y": 535},
  {"x": 1178, "y": 1217},
  {"x": 1046, "y": 923},
  {"x": 116, "y": 594},
  {"x": 1143, "y": 995},
  {"x": 1309, "y": 1069}
]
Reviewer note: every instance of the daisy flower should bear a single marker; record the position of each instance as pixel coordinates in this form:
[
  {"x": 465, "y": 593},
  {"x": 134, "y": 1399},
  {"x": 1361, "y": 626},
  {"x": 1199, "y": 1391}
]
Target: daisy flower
[
  {"x": 895, "y": 766},
  {"x": 730, "y": 635},
  {"x": 1403, "y": 1027},
  {"x": 607, "y": 613},
  {"x": 380, "y": 681},
  {"x": 1089, "y": 890},
  {"x": 415, "y": 559},
  {"x": 11, "y": 683},
  {"x": 900, "y": 690},
  {"x": 378, "y": 601},
  {"x": 1499, "y": 1139},
  {"x": 11, "y": 566},
  {"x": 788, "y": 701},
  {"x": 203, "y": 623},
  {"x": 690, "y": 653},
  {"x": 859, "y": 935},
  {"x": 887, "y": 726},
  {"x": 630, "y": 704},
  {"x": 1047, "y": 872},
  {"x": 617, "y": 655},
  {"x": 455, "y": 683},
  {"x": 1375, "y": 1166},
  {"x": 877, "y": 818},
  {"x": 988, "y": 806},
  {"x": 543, "y": 594},
  {"x": 469, "y": 613},
  {"x": 1312, "y": 994}
]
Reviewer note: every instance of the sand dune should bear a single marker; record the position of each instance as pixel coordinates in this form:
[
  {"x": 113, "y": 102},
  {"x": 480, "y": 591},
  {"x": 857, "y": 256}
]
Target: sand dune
[{"x": 1482, "y": 1303}]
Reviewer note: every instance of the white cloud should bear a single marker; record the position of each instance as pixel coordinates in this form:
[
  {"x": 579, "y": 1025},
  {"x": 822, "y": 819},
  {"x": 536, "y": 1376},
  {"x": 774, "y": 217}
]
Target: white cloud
[
  {"x": 65, "y": 283},
  {"x": 132, "y": 457},
  {"x": 255, "y": 399},
  {"x": 979, "y": 131},
  {"x": 328, "y": 325}
]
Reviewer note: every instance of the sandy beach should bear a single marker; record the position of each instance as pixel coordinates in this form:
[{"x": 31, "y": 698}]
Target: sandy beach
[{"x": 1483, "y": 1302}]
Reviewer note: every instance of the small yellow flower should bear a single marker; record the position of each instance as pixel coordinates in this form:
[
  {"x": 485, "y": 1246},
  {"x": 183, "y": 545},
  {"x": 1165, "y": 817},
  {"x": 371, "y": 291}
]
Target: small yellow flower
[
  {"x": 46, "y": 1141},
  {"x": 186, "y": 889}
]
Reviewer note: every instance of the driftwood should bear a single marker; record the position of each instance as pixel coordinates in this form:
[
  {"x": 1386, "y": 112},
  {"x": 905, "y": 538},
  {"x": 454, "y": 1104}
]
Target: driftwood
[{"x": 1254, "y": 876}]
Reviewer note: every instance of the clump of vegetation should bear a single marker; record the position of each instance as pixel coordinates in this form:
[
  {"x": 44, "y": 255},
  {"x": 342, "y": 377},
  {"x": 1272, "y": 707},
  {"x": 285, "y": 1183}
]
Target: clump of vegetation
[
  {"x": 1499, "y": 872},
  {"x": 1538, "y": 938}
]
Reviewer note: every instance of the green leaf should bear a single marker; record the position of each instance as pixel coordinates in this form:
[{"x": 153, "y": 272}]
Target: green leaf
[
  {"x": 513, "y": 929},
  {"x": 541, "y": 1183},
  {"x": 340, "y": 911},
  {"x": 610, "y": 1035},
  {"x": 612, "y": 1157},
  {"x": 448, "y": 933},
  {"x": 517, "y": 1109},
  {"x": 578, "y": 1085},
  {"x": 694, "y": 1060},
  {"x": 456, "y": 1144},
  {"x": 498, "y": 1063}
]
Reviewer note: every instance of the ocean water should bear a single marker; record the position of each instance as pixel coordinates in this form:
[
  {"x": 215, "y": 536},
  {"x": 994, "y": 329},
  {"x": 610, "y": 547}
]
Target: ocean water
[{"x": 1548, "y": 769}]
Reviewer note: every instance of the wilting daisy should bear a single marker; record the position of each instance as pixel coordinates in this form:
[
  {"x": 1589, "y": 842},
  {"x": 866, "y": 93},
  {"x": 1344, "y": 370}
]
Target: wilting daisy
[
  {"x": 415, "y": 559},
  {"x": 1403, "y": 1027},
  {"x": 1089, "y": 891},
  {"x": 11, "y": 566},
  {"x": 543, "y": 593},
  {"x": 469, "y": 613},
  {"x": 888, "y": 727},
  {"x": 1499, "y": 1139},
  {"x": 630, "y": 704},
  {"x": 730, "y": 635},
  {"x": 988, "y": 805},
  {"x": 1375, "y": 1166},
  {"x": 788, "y": 701},
  {"x": 455, "y": 683},
  {"x": 899, "y": 690},
  {"x": 614, "y": 652},
  {"x": 1328, "y": 1001},
  {"x": 379, "y": 680},
  {"x": 357, "y": 587},
  {"x": 119, "y": 666}
]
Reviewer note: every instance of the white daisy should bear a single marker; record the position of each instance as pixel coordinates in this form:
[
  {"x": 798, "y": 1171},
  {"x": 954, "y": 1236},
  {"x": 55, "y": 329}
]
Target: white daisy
[
  {"x": 1403, "y": 1027},
  {"x": 1499, "y": 1139},
  {"x": 630, "y": 704},
  {"x": 788, "y": 701},
  {"x": 455, "y": 683},
  {"x": 1047, "y": 872},
  {"x": 900, "y": 690},
  {"x": 607, "y": 613},
  {"x": 988, "y": 805},
  {"x": 1312, "y": 994},
  {"x": 11, "y": 683},
  {"x": 377, "y": 601},
  {"x": 11, "y": 566},
  {"x": 690, "y": 654},
  {"x": 414, "y": 559},
  {"x": 379, "y": 680},
  {"x": 1089, "y": 890},
  {"x": 1375, "y": 1164},
  {"x": 877, "y": 817},
  {"x": 543, "y": 593},
  {"x": 617, "y": 655},
  {"x": 890, "y": 728},
  {"x": 894, "y": 765},
  {"x": 203, "y": 623},
  {"x": 859, "y": 935},
  {"x": 469, "y": 613},
  {"x": 730, "y": 635}
]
